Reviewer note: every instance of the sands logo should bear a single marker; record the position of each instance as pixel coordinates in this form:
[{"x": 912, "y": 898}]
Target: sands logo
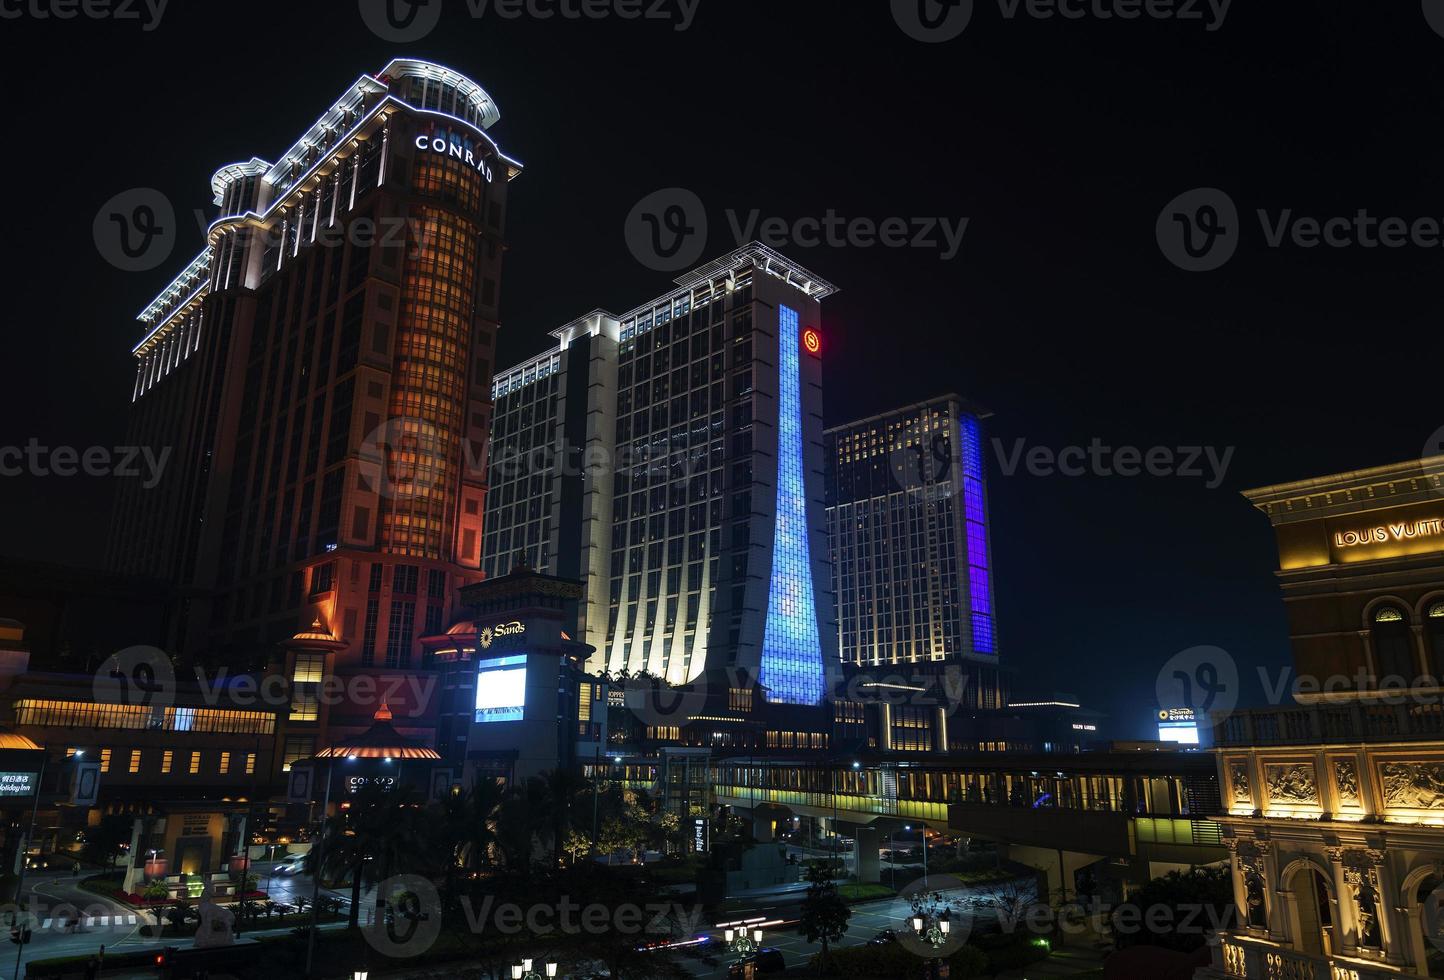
[{"x": 490, "y": 634}]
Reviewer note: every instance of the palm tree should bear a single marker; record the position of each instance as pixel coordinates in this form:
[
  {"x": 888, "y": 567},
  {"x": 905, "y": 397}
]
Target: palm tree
[
  {"x": 468, "y": 827},
  {"x": 563, "y": 786},
  {"x": 377, "y": 836},
  {"x": 521, "y": 822}
]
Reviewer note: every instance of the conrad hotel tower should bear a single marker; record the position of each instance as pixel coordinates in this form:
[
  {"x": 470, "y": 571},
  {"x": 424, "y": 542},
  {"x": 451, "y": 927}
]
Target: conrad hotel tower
[
  {"x": 671, "y": 458},
  {"x": 322, "y": 370}
]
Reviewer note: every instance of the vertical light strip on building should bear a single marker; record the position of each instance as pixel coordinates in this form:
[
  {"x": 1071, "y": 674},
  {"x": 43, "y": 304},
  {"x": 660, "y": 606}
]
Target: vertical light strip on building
[
  {"x": 791, "y": 646},
  {"x": 980, "y": 586}
]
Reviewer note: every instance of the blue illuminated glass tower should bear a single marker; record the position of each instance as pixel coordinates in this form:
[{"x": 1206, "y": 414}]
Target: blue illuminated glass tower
[{"x": 792, "y": 668}]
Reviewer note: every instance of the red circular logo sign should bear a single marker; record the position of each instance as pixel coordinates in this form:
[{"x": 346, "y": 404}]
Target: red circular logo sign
[{"x": 812, "y": 340}]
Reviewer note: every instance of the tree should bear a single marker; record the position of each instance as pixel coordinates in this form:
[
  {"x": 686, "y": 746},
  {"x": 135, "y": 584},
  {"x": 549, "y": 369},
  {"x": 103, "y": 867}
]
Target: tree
[
  {"x": 1196, "y": 900},
  {"x": 577, "y": 845},
  {"x": 522, "y": 824},
  {"x": 181, "y": 913},
  {"x": 824, "y": 914},
  {"x": 468, "y": 827},
  {"x": 559, "y": 799},
  {"x": 378, "y": 836},
  {"x": 104, "y": 840}
]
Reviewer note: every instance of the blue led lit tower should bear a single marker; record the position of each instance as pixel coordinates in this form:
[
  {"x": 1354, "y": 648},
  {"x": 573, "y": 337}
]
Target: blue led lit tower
[{"x": 792, "y": 666}]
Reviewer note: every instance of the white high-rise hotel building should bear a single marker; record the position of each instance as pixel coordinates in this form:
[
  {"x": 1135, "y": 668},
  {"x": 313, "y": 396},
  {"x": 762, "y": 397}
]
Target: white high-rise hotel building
[{"x": 671, "y": 458}]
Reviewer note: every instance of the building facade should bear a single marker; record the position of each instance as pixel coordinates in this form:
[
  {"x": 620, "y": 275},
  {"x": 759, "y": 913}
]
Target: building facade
[
  {"x": 907, "y": 517},
  {"x": 322, "y": 371},
  {"x": 1335, "y": 806},
  {"x": 671, "y": 459}
]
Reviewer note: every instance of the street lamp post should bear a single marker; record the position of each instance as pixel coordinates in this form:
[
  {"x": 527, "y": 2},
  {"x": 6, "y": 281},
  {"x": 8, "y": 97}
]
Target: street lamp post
[
  {"x": 892, "y": 855},
  {"x": 24, "y": 859},
  {"x": 316, "y": 870},
  {"x": 741, "y": 943},
  {"x": 923, "y": 830},
  {"x": 934, "y": 932},
  {"x": 523, "y": 971}
]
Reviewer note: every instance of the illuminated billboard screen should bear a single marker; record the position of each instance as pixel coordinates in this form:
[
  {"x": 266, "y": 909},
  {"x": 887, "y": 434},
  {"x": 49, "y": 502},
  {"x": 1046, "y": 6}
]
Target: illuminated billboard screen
[
  {"x": 1178, "y": 725},
  {"x": 501, "y": 688}
]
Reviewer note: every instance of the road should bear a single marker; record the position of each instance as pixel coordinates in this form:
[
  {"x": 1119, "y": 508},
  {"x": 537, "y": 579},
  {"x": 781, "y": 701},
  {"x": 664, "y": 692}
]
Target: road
[
  {"x": 779, "y": 930},
  {"x": 66, "y": 920}
]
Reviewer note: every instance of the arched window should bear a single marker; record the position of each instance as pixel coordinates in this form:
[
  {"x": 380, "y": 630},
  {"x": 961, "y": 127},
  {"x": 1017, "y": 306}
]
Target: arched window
[
  {"x": 1435, "y": 628},
  {"x": 1393, "y": 648}
]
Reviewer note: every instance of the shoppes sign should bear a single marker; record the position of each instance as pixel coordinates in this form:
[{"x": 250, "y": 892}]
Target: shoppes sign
[{"x": 457, "y": 146}]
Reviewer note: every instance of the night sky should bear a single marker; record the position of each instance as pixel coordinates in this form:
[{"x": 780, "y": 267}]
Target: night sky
[{"x": 1060, "y": 140}]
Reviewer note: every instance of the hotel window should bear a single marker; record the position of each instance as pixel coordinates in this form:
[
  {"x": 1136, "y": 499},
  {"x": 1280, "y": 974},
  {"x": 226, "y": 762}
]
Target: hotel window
[
  {"x": 309, "y": 668},
  {"x": 304, "y": 706},
  {"x": 296, "y": 748},
  {"x": 134, "y": 760},
  {"x": 250, "y": 763},
  {"x": 404, "y": 579},
  {"x": 1436, "y": 641},
  {"x": 167, "y": 759},
  {"x": 323, "y": 577},
  {"x": 225, "y": 763},
  {"x": 195, "y": 765},
  {"x": 105, "y": 760},
  {"x": 398, "y": 633},
  {"x": 1393, "y": 643}
]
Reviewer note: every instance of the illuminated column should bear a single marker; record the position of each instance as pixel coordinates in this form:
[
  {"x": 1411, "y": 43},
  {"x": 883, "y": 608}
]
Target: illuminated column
[
  {"x": 1391, "y": 917},
  {"x": 1346, "y": 926},
  {"x": 792, "y": 669},
  {"x": 1273, "y": 903}
]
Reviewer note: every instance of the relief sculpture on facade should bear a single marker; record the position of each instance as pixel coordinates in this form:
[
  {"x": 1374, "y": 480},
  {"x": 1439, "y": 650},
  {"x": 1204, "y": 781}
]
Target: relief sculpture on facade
[
  {"x": 1413, "y": 785},
  {"x": 1291, "y": 782},
  {"x": 1346, "y": 779},
  {"x": 1238, "y": 778}
]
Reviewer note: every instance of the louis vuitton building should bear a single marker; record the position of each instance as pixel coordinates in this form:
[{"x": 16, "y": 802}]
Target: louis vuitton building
[{"x": 1335, "y": 805}]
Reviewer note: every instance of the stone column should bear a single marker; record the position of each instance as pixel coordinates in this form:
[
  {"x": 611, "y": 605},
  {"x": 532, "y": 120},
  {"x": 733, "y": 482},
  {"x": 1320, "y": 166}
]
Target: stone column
[
  {"x": 1273, "y": 901},
  {"x": 1240, "y": 893},
  {"x": 1346, "y": 922},
  {"x": 1392, "y": 922},
  {"x": 865, "y": 851}
]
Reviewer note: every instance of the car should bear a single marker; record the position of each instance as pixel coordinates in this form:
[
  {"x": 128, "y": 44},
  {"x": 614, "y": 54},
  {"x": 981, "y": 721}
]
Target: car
[
  {"x": 288, "y": 868},
  {"x": 768, "y": 959},
  {"x": 883, "y": 938}
]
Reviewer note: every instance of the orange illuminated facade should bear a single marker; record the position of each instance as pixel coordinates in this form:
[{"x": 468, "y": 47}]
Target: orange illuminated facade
[{"x": 322, "y": 372}]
